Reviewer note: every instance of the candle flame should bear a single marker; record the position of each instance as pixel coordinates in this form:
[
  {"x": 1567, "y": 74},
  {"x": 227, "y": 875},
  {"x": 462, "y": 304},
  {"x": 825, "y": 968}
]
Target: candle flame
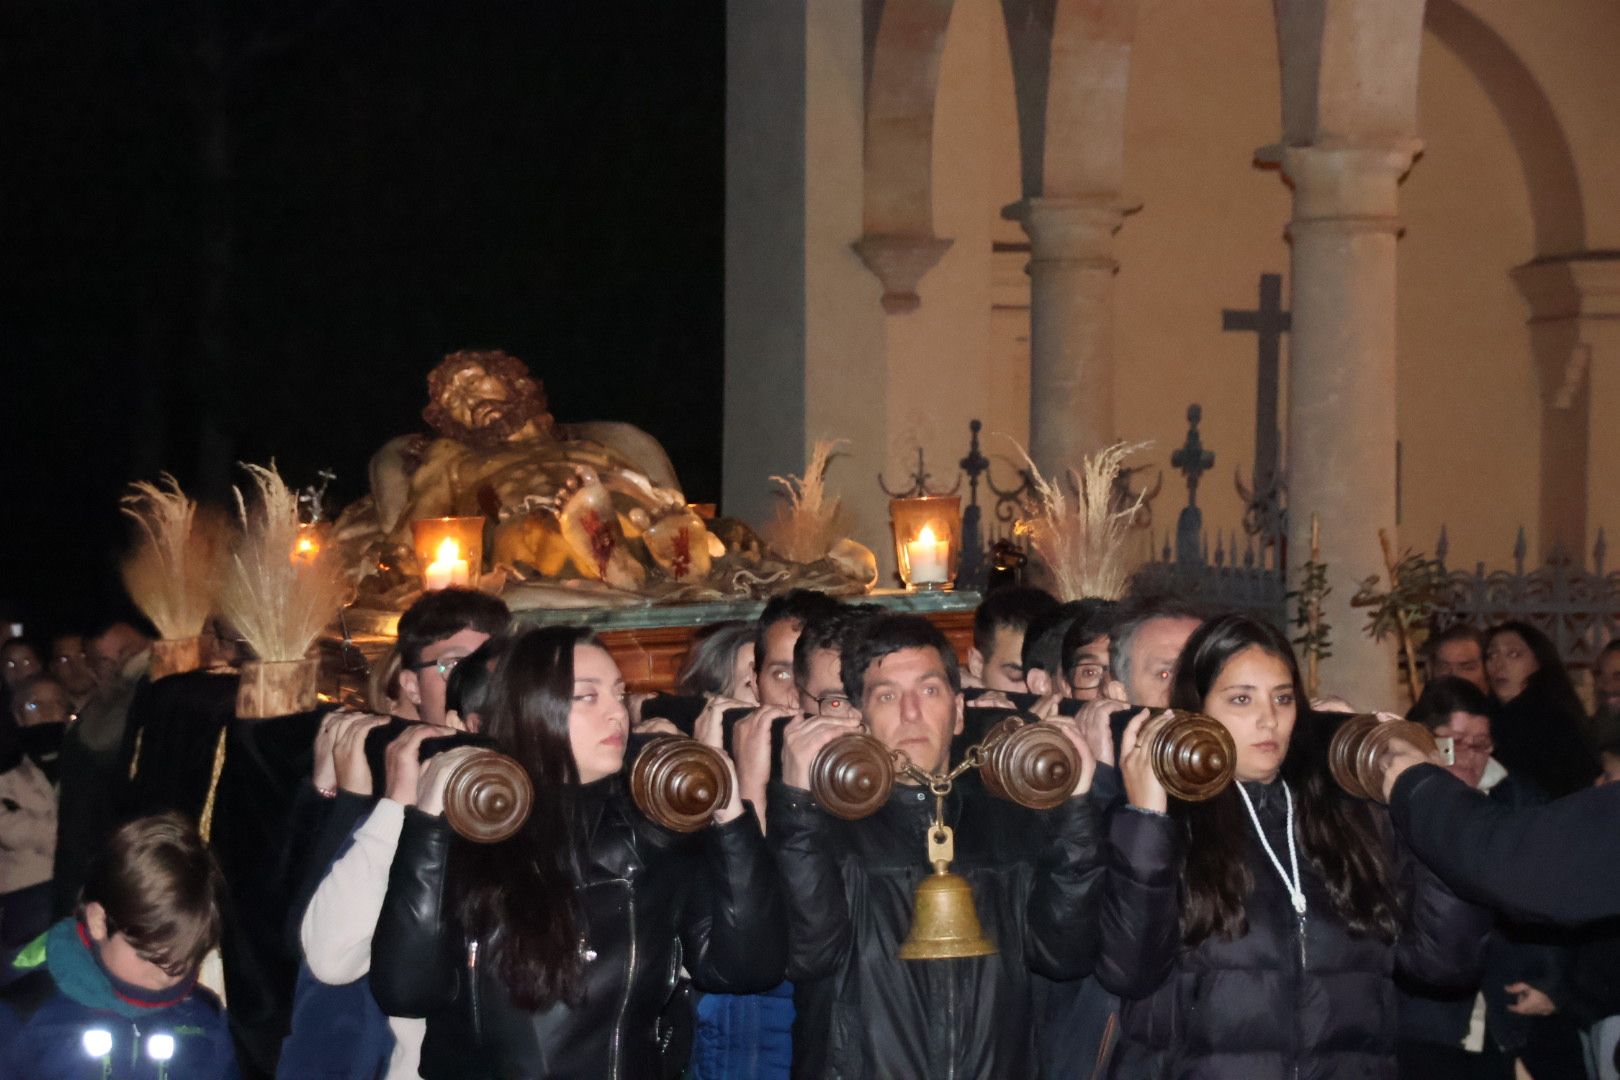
[
  {"x": 305, "y": 545},
  {"x": 448, "y": 551},
  {"x": 926, "y": 536}
]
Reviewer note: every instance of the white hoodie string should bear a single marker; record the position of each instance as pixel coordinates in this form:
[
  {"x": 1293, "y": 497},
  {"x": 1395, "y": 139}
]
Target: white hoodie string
[{"x": 1296, "y": 888}]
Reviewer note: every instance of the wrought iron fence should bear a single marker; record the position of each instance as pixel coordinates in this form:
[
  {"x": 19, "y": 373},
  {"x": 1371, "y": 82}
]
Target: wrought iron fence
[
  {"x": 1578, "y": 607},
  {"x": 1577, "y": 604}
]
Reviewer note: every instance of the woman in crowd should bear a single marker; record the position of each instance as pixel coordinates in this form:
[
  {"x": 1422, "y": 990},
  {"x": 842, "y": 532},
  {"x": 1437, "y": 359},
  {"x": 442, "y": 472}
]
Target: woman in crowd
[
  {"x": 555, "y": 953},
  {"x": 1538, "y": 726},
  {"x": 721, "y": 663},
  {"x": 1256, "y": 935}
]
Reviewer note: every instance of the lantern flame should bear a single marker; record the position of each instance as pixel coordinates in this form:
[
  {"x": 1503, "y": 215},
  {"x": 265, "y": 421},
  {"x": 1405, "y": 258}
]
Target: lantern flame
[
  {"x": 926, "y": 536},
  {"x": 448, "y": 551}
]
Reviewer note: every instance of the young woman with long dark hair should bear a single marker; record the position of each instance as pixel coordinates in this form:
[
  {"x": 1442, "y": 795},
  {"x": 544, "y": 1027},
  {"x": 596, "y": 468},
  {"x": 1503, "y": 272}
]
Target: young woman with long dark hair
[
  {"x": 1256, "y": 935},
  {"x": 1537, "y": 725},
  {"x": 554, "y": 953}
]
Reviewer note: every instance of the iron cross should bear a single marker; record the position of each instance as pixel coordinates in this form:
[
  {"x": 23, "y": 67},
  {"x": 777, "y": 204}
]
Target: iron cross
[{"x": 1268, "y": 322}]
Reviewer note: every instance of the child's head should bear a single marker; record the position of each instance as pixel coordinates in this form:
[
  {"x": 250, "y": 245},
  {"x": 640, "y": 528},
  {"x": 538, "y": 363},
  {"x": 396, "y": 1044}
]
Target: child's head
[{"x": 151, "y": 903}]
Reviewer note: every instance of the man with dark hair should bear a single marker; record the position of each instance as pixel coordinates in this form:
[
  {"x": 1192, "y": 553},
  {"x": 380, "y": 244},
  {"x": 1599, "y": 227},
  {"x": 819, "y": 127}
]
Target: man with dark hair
[
  {"x": 94, "y": 760},
  {"x": 114, "y": 986},
  {"x": 69, "y": 661},
  {"x": 818, "y": 661},
  {"x": 776, "y": 633},
  {"x": 1458, "y": 652},
  {"x": 862, "y": 1011},
  {"x": 1086, "y": 649},
  {"x": 435, "y": 633},
  {"x": 996, "y": 661}
]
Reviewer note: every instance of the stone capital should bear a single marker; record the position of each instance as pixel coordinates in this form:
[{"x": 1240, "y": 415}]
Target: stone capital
[
  {"x": 1582, "y": 285},
  {"x": 1071, "y": 230},
  {"x": 899, "y": 261},
  {"x": 1349, "y": 185}
]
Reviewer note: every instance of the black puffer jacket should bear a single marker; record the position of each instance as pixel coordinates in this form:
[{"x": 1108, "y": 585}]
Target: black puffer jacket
[
  {"x": 653, "y": 902},
  {"x": 862, "y": 1011},
  {"x": 1289, "y": 1000}
]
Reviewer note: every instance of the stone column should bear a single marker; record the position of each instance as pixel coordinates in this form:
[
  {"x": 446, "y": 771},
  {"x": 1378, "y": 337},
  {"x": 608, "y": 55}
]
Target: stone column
[
  {"x": 1341, "y": 393},
  {"x": 1071, "y": 340},
  {"x": 1574, "y": 305}
]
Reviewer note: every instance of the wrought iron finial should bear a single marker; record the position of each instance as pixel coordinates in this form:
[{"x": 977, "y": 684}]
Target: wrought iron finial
[
  {"x": 1192, "y": 460},
  {"x": 918, "y": 486},
  {"x": 1599, "y": 550},
  {"x": 1442, "y": 546}
]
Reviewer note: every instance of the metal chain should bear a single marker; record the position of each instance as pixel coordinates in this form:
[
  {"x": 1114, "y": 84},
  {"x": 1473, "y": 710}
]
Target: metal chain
[{"x": 940, "y": 784}]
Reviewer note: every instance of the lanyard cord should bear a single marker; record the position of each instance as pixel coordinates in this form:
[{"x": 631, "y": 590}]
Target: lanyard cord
[{"x": 1296, "y": 888}]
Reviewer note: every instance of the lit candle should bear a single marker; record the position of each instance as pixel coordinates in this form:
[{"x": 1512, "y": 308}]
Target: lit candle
[
  {"x": 447, "y": 568},
  {"x": 305, "y": 548},
  {"x": 929, "y": 558}
]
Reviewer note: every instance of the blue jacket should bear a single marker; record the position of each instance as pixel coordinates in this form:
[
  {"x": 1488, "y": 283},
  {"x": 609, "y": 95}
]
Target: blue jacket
[
  {"x": 744, "y": 1036},
  {"x": 63, "y": 1016}
]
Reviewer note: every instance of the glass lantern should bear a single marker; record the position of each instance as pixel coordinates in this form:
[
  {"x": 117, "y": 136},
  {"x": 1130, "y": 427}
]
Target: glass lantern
[
  {"x": 927, "y": 539},
  {"x": 312, "y": 537},
  {"x": 449, "y": 550}
]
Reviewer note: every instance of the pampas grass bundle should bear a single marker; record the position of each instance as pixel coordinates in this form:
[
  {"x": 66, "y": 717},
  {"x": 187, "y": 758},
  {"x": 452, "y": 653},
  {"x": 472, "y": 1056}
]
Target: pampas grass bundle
[
  {"x": 809, "y": 524},
  {"x": 1082, "y": 546},
  {"x": 278, "y": 604},
  {"x": 173, "y": 573}
]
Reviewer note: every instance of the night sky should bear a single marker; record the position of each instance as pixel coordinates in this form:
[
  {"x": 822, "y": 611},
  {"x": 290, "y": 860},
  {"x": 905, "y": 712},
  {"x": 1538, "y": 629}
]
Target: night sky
[{"x": 247, "y": 230}]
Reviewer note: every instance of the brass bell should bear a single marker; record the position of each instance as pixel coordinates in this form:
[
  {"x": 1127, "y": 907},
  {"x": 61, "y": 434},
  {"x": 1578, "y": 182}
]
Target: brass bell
[
  {"x": 1357, "y": 752},
  {"x": 944, "y": 924}
]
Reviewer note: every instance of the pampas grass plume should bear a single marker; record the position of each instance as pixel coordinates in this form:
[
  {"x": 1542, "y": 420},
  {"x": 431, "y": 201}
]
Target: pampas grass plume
[
  {"x": 1082, "y": 547},
  {"x": 809, "y": 524},
  {"x": 277, "y": 603},
  {"x": 173, "y": 573}
]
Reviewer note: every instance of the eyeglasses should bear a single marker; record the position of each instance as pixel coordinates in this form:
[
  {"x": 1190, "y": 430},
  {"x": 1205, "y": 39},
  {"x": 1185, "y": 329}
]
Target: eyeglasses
[
  {"x": 1087, "y": 676},
  {"x": 444, "y": 664},
  {"x": 1480, "y": 745}
]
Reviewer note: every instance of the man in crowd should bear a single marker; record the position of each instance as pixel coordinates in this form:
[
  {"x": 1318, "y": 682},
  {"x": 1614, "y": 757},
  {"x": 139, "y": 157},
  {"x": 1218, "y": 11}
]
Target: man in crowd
[
  {"x": 69, "y": 661},
  {"x": 996, "y": 661},
  {"x": 1086, "y": 652},
  {"x": 775, "y": 635},
  {"x": 1458, "y": 652},
  {"x": 1437, "y": 1038},
  {"x": 1034, "y": 876},
  {"x": 94, "y": 765},
  {"x": 1604, "y": 727},
  {"x": 434, "y": 635},
  {"x": 1147, "y": 641},
  {"x": 1042, "y": 655}
]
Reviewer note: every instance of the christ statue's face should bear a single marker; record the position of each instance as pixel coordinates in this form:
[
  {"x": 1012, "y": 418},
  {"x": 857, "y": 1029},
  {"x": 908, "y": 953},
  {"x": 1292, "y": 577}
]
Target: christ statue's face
[{"x": 477, "y": 397}]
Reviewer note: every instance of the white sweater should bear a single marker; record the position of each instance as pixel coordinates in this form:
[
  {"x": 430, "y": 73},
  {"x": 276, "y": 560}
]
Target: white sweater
[{"x": 342, "y": 917}]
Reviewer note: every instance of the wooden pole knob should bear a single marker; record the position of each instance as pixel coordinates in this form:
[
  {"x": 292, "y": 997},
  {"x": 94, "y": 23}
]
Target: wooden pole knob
[
  {"x": 1358, "y": 749},
  {"x": 679, "y": 783},
  {"x": 488, "y": 798},
  {"x": 852, "y": 776},
  {"x": 1193, "y": 756},
  {"x": 1032, "y": 764}
]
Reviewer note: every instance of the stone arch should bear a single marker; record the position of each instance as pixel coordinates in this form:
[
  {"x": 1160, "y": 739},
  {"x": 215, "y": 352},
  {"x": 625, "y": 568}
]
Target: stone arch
[
  {"x": 904, "y": 42},
  {"x": 1556, "y": 205}
]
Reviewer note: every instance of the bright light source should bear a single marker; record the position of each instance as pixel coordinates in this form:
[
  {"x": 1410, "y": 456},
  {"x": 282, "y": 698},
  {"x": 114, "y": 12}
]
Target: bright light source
[
  {"x": 98, "y": 1042},
  {"x": 160, "y": 1047}
]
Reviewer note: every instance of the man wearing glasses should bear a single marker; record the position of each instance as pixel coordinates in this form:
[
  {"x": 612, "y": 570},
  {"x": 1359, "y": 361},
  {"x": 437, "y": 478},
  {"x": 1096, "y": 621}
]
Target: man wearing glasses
[{"x": 434, "y": 635}]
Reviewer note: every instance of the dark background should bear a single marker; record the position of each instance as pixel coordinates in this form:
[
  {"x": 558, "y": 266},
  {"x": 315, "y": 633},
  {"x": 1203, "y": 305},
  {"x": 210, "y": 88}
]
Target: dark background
[{"x": 240, "y": 230}]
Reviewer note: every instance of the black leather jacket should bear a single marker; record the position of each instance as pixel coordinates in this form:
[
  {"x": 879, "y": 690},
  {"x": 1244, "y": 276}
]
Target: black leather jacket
[
  {"x": 864, "y": 1012},
  {"x": 653, "y": 902}
]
